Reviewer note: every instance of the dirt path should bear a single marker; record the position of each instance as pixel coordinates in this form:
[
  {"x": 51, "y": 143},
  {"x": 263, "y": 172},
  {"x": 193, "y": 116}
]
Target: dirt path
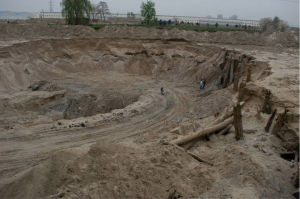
[{"x": 32, "y": 145}]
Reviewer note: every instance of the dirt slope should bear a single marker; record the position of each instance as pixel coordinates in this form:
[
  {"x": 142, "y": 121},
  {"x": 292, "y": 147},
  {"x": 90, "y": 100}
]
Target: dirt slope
[{"x": 84, "y": 117}]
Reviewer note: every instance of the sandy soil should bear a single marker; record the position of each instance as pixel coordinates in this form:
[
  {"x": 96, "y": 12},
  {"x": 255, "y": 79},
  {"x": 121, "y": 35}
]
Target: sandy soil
[{"x": 83, "y": 117}]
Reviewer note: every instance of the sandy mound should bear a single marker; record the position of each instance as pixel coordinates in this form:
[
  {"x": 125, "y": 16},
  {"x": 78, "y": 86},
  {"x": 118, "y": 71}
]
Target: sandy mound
[{"x": 109, "y": 171}]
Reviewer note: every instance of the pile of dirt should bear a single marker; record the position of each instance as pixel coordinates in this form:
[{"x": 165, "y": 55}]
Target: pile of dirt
[
  {"x": 88, "y": 104},
  {"x": 26, "y": 31},
  {"x": 113, "y": 171}
]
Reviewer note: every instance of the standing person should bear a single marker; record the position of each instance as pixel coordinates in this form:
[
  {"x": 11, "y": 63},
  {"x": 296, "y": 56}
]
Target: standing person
[
  {"x": 201, "y": 84},
  {"x": 162, "y": 92},
  {"x": 204, "y": 83}
]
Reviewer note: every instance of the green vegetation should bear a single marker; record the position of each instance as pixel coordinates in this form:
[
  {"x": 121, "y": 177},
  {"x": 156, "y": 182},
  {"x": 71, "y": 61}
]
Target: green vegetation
[
  {"x": 148, "y": 12},
  {"x": 76, "y": 11},
  {"x": 97, "y": 26}
]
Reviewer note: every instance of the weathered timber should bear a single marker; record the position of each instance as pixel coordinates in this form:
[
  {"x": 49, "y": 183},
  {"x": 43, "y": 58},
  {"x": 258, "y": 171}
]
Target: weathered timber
[
  {"x": 237, "y": 121},
  {"x": 203, "y": 133},
  {"x": 270, "y": 121}
]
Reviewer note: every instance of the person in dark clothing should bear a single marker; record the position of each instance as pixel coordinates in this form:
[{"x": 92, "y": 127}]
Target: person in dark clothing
[
  {"x": 162, "y": 92},
  {"x": 204, "y": 83}
]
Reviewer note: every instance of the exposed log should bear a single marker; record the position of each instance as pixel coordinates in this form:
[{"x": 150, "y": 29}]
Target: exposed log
[
  {"x": 225, "y": 130},
  {"x": 226, "y": 114},
  {"x": 237, "y": 121},
  {"x": 270, "y": 121},
  {"x": 196, "y": 157},
  {"x": 203, "y": 133}
]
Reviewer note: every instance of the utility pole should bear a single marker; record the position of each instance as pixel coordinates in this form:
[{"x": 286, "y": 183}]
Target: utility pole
[{"x": 51, "y": 6}]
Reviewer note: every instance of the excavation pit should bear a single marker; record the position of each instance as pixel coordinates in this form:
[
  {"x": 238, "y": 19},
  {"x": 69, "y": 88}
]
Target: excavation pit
[
  {"x": 84, "y": 112},
  {"x": 74, "y": 78}
]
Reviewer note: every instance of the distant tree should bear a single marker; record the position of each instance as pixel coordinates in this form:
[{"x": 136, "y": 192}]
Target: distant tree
[
  {"x": 208, "y": 16},
  {"x": 276, "y": 23},
  {"x": 102, "y": 10},
  {"x": 283, "y": 26},
  {"x": 169, "y": 21},
  {"x": 234, "y": 17},
  {"x": 227, "y": 25},
  {"x": 267, "y": 24},
  {"x": 130, "y": 15},
  {"x": 216, "y": 25},
  {"x": 207, "y": 24},
  {"x": 160, "y": 22},
  {"x": 148, "y": 11},
  {"x": 76, "y": 11},
  {"x": 220, "y": 16}
]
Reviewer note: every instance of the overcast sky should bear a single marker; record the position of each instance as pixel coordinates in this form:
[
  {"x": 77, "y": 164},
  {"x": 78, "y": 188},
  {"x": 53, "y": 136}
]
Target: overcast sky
[{"x": 245, "y": 9}]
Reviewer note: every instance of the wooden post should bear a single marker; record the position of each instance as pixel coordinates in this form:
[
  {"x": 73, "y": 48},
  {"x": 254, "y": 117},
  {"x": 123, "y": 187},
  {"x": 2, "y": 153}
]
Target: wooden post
[
  {"x": 231, "y": 76},
  {"x": 269, "y": 123},
  {"x": 237, "y": 121},
  {"x": 249, "y": 74},
  {"x": 236, "y": 79},
  {"x": 267, "y": 105},
  {"x": 280, "y": 120},
  {"x": 227, "y": 75},
  {"x": 241, "y": 91}
]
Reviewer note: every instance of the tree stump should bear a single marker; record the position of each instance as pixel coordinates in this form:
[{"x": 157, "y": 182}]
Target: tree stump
[
  {"x": 237, "y": 121},
  {"x": 269, "y": 123}
]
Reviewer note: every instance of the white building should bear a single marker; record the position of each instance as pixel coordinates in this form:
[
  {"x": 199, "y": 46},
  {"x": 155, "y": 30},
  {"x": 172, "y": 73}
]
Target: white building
[
  {"x": 179, "y": 19},
  {"x": 51, "y": 15}
]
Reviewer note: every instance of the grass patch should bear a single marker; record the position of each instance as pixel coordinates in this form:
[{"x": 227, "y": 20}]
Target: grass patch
[{"x": 97, "y": 26}]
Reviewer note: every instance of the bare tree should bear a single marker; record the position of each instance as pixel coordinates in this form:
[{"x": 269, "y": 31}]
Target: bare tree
[
  {"x": 102, "y": 10},
  {"x": 234, "y": 17},
  {"x": 130, "y": 15},
  {"x": 220, "y": 16},
  {"x": 93, "y": 12},
  {"x": 267, "y": 24}
]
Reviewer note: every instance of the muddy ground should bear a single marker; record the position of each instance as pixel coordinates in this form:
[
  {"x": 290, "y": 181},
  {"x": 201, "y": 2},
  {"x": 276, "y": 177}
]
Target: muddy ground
[{"x": 82, "y": 115}]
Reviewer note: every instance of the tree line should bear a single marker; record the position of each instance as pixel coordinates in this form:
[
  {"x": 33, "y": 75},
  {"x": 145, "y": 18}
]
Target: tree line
[{"x": 82, "y": 11}]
